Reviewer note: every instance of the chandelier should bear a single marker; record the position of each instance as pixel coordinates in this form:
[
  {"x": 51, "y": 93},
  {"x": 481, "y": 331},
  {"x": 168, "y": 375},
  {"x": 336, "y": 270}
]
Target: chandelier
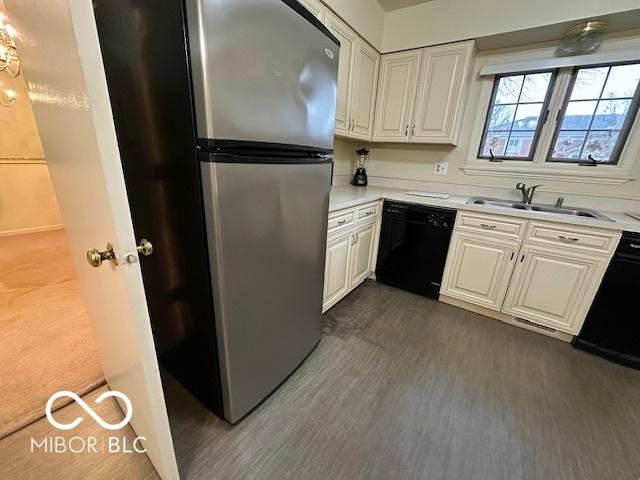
[{"x": 9, "y": 60}]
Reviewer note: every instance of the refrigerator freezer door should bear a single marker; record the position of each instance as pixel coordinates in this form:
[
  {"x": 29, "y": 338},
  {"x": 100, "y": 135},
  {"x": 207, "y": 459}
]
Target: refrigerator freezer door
[
  {"x": 267, "y": 226},
  {"x": 262, "y": 72}
]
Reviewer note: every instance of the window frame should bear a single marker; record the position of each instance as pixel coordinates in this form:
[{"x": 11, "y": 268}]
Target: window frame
[
  {"x": 539, "y": 169},
  {"x": 625, "y": 129},
  {"x": 544, "y": 116}
]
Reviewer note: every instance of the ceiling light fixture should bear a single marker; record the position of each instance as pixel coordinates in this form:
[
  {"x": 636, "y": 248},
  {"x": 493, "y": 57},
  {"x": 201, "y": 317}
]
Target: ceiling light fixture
[{"x": 583, "y": 38}]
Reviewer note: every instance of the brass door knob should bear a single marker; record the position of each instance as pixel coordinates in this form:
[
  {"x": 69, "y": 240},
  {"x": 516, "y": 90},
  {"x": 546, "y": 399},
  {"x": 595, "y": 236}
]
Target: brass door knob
[
  {"x": 145, "y": 247},
  {"x": 95, "y": 257}
]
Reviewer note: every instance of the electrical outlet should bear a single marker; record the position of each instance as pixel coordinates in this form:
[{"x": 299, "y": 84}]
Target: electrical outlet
[{"x": 441, "y": 168}]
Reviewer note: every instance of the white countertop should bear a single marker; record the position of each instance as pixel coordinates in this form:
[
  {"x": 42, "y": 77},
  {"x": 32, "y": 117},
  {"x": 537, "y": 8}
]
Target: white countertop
[{"x": 345, "y": 196}]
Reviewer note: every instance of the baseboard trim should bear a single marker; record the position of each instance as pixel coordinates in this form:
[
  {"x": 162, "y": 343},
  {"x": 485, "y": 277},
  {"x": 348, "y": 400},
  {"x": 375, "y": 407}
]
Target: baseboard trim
[
  {"x": 503, "y": 317},
  {"x": 24, "y": 231}
]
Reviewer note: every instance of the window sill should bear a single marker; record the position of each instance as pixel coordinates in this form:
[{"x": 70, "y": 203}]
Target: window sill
[{"x": 602, "y": 174}]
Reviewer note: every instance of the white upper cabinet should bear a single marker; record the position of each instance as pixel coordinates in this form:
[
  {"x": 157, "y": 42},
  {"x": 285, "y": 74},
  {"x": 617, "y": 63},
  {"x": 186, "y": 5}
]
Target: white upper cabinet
[
  {"x": 357, "y": 81},
  {"x": 363, "y": 95},
  {"x": 424, "y": 107},
  {"x": 346, "y": 66},
  {"x": 396, "y": 96},
  {"x": 442, "y": 90},
  {"x": 316, "y": 7}
]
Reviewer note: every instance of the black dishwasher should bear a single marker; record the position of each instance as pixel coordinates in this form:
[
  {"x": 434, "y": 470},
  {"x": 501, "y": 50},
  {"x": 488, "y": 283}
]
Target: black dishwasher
[
  {"x": 612, "y": 327},
  {"x": 414, "y": 241}
]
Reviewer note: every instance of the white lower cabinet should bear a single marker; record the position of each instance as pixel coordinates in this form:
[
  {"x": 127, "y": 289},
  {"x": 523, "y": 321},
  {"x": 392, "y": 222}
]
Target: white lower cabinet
[
  {"x": 337, "y": 280},
  {"x": 543, "y": 272},
  {"x": 554, "y": 287},
  {"x": 351, "y": 251},
  {"x": 362, "y": 256},
  {"x": 479, "y": 268}
]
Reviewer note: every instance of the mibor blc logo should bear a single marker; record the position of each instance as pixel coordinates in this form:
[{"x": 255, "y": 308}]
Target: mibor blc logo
[
  {"x": 88, "y": 444},
  {"x": 89, "y": 410}
]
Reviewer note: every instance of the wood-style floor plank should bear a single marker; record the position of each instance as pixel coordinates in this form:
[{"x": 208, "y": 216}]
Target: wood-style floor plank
[{"x": 403, "y": 387}]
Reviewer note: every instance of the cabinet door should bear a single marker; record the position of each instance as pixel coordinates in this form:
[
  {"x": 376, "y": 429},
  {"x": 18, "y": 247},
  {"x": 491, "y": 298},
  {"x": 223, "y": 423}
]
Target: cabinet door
[
  {"x": 479, "y": 268},
  {"x": 362, "y": 256},
  {"x": 554, "y": 287},
  {"x": 363, "y": 97},
  {"x": 441, "y": 93},
  {"x": 396, "y": 96},
  {"x": 336, "y": 270},
  {"x": 346, "y": 67},
  {"x": 316, "y": 7}
]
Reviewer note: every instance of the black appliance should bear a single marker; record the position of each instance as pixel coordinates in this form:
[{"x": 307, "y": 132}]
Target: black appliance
[
  {"x": 612, "y": 327},
  {"x": 414, "y": 241},
  {"x": 360, "y": 176}
]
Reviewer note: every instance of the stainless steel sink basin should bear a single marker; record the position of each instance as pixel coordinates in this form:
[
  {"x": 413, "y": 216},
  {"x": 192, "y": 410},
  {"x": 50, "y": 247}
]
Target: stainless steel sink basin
[{"x": 538, "y": 207}]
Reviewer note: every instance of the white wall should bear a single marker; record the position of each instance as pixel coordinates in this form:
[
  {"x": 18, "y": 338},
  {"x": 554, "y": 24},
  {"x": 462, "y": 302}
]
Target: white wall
[
  {"x": 441, "y": 21},
  {"x": 365, "y": 16},
  {"x": 416, "y": 162}
]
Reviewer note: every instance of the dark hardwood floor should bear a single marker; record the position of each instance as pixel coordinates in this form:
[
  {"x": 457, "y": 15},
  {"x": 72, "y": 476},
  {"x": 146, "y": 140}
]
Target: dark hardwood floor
[{"x": 402, "y": 387}]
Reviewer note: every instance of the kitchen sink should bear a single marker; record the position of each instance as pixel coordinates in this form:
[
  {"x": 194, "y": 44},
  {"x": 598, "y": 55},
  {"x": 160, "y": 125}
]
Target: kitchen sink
[{"x": 538, "y": 207}]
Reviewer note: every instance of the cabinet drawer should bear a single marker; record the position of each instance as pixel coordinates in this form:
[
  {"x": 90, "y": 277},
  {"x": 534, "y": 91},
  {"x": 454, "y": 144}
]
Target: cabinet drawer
[
  {"x": 507, "y": 227},
  {"x": 340, "y": 220},
  {"x": 577, "y": 238},
  {"x": 367, "y": 212}
]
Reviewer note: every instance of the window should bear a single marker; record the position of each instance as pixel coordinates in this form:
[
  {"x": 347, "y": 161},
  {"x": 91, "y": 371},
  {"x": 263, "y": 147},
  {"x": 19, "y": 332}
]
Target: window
[
  {"x": 516, "y": 114},
  {"x": 553, "y": 123},
  {"x": 598, "y": 111}
]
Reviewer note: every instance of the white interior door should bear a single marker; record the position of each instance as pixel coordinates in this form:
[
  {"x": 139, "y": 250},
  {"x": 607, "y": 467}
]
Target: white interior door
[{"x": 63, "y": 66}]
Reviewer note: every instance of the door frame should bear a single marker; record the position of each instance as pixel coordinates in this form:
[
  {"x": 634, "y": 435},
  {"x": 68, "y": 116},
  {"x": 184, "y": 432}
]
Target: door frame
[{"x": 72, "y": 109}]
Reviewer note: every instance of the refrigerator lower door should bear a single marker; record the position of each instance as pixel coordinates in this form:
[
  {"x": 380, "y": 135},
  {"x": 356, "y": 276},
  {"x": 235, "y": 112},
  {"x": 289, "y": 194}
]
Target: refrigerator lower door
[{"x": 267, "y": 226}]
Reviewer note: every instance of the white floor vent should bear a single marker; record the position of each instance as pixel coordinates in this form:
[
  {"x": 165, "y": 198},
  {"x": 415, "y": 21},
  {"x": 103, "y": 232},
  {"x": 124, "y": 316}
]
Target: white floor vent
[{"x": 535, "y": 325}]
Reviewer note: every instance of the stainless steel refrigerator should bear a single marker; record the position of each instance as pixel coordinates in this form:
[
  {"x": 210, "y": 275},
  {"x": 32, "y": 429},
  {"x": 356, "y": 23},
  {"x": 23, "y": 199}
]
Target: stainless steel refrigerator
[{"x": 264, "y": 76}]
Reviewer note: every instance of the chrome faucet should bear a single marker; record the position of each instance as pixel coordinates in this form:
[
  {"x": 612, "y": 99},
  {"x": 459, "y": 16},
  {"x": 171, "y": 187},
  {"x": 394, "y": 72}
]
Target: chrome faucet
[{"x": 527, "y": 193}]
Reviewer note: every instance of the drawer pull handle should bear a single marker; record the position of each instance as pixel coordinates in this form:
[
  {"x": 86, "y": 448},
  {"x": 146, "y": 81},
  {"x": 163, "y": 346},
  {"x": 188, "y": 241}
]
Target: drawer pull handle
[
  {"x": 368, "y": 213},
  {"x": 568, "y": 239},
  {"x": 634, "y": 245},
  {"x": 490, "y": 227},
  {"x": 342, "y": 222}
]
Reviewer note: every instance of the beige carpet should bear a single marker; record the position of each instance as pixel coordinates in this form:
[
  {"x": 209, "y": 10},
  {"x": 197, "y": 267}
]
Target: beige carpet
[{"x": 46, "y": 343}]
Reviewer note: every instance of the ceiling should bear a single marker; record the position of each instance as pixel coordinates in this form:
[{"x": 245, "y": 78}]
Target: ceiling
[{"x": 397, "y": 4}]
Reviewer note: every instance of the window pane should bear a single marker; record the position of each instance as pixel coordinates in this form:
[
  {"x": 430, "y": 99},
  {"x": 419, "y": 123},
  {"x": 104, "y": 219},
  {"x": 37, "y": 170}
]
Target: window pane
[
  {"x": 568, "y": 145},
  {"x": 598, "y": 125},
  {"x": 589, "y": 83},
  {"x": 535, "y": 87},
  {"x": 509, "y": 89},
  {"x": 496, "y": 142},
  {"x": 578, "y": 115},
  {"x": 527, "y": 116},
  {"x": 502, "y": 117},
  {"x": 600, "y": 145},
  {"x": 611, "y": 114},
  {"x": 519, "y": 144},
  {"x": 622, "y": 81}
]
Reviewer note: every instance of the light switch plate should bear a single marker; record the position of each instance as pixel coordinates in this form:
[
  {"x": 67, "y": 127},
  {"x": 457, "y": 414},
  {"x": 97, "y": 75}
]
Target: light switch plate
[{"x": 441, "y": 168}]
